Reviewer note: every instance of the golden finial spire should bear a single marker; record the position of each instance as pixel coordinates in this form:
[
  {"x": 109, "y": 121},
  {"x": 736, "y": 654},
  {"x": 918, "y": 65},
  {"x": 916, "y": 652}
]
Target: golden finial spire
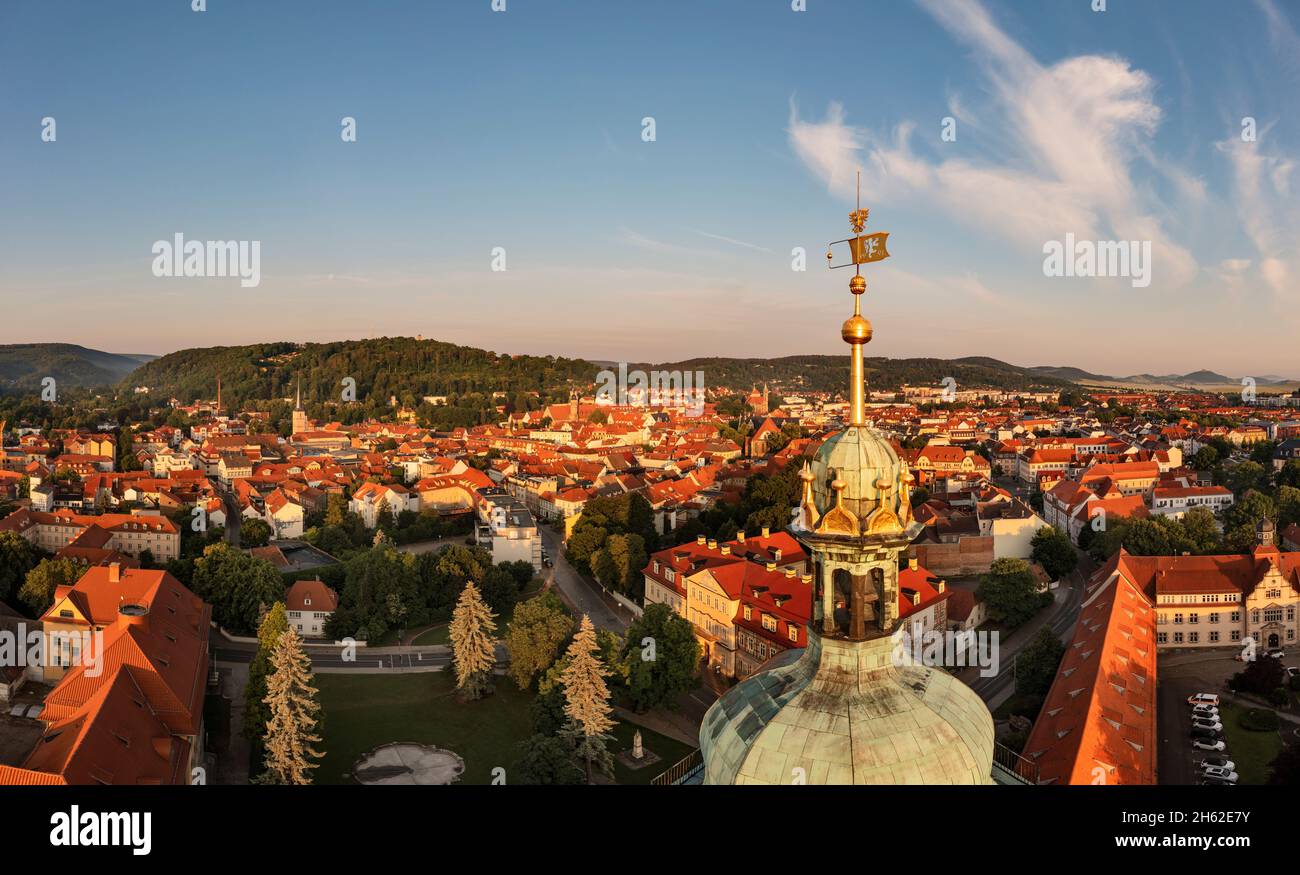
[{"x": 856, "y": 331}]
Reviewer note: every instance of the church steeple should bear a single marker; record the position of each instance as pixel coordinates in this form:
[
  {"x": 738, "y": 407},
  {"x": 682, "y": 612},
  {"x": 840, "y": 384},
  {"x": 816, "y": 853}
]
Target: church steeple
[{"x": 895, "y": 721}]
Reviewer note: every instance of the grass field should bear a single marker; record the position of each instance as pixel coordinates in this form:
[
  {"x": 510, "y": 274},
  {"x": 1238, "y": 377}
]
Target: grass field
[
  {"x": 1251, "y": 751},
  {"x": 365, "y": 711}
]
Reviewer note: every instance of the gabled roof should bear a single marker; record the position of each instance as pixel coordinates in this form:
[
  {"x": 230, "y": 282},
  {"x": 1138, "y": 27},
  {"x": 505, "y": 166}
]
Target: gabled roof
[{"x": 1100, "y": 712}]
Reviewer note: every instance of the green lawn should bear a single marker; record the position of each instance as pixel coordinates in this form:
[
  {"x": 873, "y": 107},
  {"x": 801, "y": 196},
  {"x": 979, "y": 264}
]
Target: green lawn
[
  {"x": 437, "y": 635},
  {"x": 1251, "y": 751},
  {"x": 365, "y": 711},
  {"x": 669, "y": 750}
]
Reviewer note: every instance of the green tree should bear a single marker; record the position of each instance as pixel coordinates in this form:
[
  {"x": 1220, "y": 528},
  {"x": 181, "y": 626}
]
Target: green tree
[
  {"x": 1240, "y": 521},
  {"x": 1036, "y": 663},
  {"x": 237, "y": 585},
  {"x": 586, "y": 701},
  {"x": 1201, "y": 531},
  {"x": 534, "y": 635},
  {"x": 473, "y": 643},
  {"x": 545, "y": 759},
  {"x": 1246, "y": 476},
  {"x": 1052, "y": 550},
  {"x": 254, "y": 533},
  {"x": 291, "y": 731},
  {"x": 1285, "y": 768},
  {"x": 37, "y": 591},
  {"x": 1010, "y": 592},
  {"x": 1205, "y": 458},
  {"x": 256, "y": 714},
  {"x": 17, "y": 558},
  {"x": 660, "y": 656}
]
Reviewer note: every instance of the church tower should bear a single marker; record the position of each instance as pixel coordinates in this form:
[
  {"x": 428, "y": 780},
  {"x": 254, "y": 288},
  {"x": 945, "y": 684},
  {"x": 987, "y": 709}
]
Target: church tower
[
  {"x": 852, "y": 707},
  {"x": 300, "y": 423}
]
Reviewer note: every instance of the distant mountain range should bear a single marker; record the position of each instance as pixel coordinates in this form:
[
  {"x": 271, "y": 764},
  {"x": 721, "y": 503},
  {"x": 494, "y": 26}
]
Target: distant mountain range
[
  {"x": 1200, "y": 380},
  {"x": 24, "y": 365},
  {"x": 415, "y": 367},
  {"x": 828, "y": 373}
]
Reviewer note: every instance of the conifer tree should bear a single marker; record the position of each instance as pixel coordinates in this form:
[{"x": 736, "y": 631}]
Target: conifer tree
[
  {"x": 473, "y": 643},
  {"x": 290, "y": 732},
  {"x": 274, "y": 624},
  {"x": 586, "y": 700}
]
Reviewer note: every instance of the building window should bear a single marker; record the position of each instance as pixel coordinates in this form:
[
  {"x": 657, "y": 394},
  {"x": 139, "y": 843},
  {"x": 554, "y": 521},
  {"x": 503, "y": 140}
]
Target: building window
[
  {"x": 1214, "y": 618},
  {"x": 748, "y": 612},
  {"x": 1235, "y": 617},
  {"x": 1214, "y": 637},
  {"x": 1178, "y": 637},
  {"x": 1193, "y": 618},
  {"x": 769, "y": 622},
  {"x": 1272, "y": 615},
  {"x": 1193, "y": 637},
  {"x": 1178, "y": 619},
  {"x": 794, "y": 633},
  {"x": 1235, "y": 635},
  {"x": 1162, "y": 637}
]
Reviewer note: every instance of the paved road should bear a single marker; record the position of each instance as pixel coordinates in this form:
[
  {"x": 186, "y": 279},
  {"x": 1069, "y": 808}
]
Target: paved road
[
  {"x": 433, "y": 658},
  {"x": 578, "y": 591},
  {"x": 1060, "y": 617},
  {"x": 232, "y": 516}
]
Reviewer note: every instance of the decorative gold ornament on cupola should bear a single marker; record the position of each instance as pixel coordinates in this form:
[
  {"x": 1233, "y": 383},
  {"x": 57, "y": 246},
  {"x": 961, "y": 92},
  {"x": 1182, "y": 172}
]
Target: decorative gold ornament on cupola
[{"x": 856, "y": 485}]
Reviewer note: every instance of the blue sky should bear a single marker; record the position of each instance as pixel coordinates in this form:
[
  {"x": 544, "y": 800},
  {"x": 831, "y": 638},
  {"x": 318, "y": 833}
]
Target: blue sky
[{"x": 522, "y": 129}]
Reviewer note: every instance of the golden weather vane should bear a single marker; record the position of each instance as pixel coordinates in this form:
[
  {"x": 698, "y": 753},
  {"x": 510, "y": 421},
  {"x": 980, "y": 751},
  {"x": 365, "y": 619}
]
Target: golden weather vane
[
  {"x": 863, "y": 248},
  {"x": 856, "y": 331}
]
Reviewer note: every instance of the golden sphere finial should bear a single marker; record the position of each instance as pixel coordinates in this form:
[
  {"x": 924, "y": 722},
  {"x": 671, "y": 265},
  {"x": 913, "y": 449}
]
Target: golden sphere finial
[
  {"x": 856, "y": 330},
  {"x": 858, "y": 285}
]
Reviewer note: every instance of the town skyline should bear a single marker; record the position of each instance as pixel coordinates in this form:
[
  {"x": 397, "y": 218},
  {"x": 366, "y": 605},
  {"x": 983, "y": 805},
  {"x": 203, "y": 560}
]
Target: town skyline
[{"x": 1104, "y": 133}]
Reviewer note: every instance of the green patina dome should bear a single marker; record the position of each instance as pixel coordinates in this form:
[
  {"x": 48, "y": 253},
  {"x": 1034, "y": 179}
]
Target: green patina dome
[
  {"x": 841, "y": 712},
  {"x": 860, "y": 457}
]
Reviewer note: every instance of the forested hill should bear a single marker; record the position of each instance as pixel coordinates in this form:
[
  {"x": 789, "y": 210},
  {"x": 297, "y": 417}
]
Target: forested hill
[
  {"x": 24, "y": 365},
  {"x": 829, "y": 373},
  {"x": 382, "y": 367}
]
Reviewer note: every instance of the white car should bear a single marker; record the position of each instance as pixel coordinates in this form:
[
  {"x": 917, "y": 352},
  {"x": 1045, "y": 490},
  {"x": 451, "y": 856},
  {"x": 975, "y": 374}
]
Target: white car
[
  {"x": 1212, "y": 725},
  {"x": 1218, "y": 763},
  {"x": 1292, "y": 671},
  {"x": 1214, "y": 744},
  {"x": 1203, "y": 699},
  {"x": 1222, "y": 774},
  {"x": 1205, "y": 711}
]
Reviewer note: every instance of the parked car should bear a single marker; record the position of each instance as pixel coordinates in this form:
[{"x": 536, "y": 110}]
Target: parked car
[
  {"x": 1203, "y": 699},
  {"x": 1276, "y": 653},
  {"x": 1213, "y": 725},
  {"x": 1204, "y": 732},
  {"x": 1292, "y": 671},
  {"x": 1216, "y": 782},
  {"x": 1204, "y": 711},
  {"x": 1214, "y": 744},
  {"x": 1218, "y": 763},
  {"x": 1222, "y": 774}
]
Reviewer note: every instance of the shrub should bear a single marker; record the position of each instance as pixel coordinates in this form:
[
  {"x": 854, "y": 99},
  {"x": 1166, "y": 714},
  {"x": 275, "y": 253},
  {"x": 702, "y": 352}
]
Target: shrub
[{"x": 1258, "y": 720}]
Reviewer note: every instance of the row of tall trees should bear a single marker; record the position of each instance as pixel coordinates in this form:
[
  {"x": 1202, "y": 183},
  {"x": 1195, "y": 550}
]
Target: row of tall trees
[
  {"x": 282, "y": 717},
  {"x": 385, "y": 589}
]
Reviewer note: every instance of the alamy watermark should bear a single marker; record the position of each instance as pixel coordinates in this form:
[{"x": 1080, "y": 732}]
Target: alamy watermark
[
  {"x": 21, "y": 648},
  {"x": 1104, "y": 258},
  {"x": 684, "y": 389},
  {"x": 197, "y": 258},
  {"x": 937, "y": 648}
]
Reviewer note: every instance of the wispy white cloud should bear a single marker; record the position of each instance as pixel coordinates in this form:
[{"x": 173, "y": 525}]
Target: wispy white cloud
[
  {"x": 1074, "y": 129},
  {"x": 733, "y": 241}
]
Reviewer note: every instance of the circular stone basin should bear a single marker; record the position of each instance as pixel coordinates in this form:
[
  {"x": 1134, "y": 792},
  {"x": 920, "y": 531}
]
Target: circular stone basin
[{"x": 408, "y": 763}]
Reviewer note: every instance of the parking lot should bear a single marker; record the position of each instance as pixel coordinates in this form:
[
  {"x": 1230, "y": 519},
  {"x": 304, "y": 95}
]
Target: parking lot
[{"x": 1182, "y": 675}]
